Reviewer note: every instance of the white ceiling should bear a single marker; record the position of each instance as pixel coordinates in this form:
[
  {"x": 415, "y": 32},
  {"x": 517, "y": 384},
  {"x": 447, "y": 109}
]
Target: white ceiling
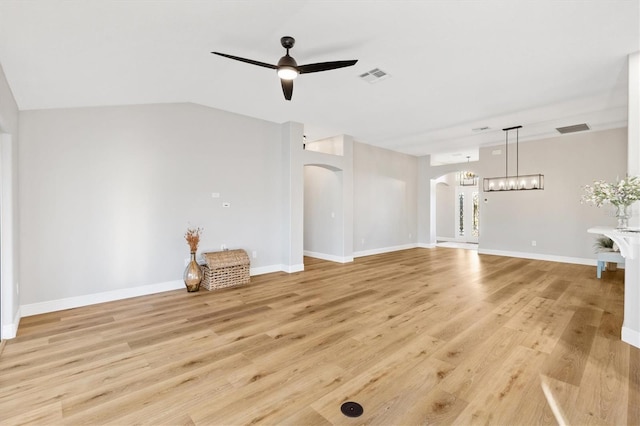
[{"x": 454, "y": 65}]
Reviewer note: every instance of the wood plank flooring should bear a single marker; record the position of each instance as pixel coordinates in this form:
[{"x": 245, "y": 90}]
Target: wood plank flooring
[{"x": 421, "y": 336}]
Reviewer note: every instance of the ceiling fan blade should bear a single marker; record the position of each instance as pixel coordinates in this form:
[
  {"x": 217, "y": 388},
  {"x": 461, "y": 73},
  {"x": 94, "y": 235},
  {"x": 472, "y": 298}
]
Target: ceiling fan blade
[
  {"x": 287, "y": 88},
  {"x": 249, "y": 61},
  {"x": 325, "y": 66}
]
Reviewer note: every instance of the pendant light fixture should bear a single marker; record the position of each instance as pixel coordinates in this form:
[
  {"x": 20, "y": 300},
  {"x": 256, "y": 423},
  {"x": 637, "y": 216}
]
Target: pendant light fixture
[
  {"x": 517, "y": 182},
  {"x": 467, "y": 178}
]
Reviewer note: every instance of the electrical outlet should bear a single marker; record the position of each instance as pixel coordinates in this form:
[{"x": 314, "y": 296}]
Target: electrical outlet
[
  {"x": 223, "y": 247},
  {"x": 533, "y": 243},
  {"x": 254, "y": 254}
]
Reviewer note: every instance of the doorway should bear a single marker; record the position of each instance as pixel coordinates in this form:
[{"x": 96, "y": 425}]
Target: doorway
[
  {"x": 467, "y": 214},
  {"x": 323, "y": 213},
  {"x": 457, "y": 210}
]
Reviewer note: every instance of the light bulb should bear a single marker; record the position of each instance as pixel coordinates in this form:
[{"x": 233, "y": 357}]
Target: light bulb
[{"x": 287, "y": 73}]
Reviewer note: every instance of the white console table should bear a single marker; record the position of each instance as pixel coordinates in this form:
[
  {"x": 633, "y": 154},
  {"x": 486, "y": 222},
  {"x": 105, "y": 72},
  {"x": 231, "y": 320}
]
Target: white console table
[{"x": 628, "y": 241}]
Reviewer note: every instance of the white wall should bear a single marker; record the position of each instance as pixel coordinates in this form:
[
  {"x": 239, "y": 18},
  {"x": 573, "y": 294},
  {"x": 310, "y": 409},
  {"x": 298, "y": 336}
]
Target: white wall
[
  {"x": 553, "y": 217},
  {"x": 385, "y": 200},
  {"x": 107, "y": 194},
  {"x": 9, "y": 274}
]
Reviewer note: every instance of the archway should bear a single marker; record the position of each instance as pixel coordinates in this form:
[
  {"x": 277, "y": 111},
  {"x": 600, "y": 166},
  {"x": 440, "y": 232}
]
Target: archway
[{"x": 327, "y": 226}]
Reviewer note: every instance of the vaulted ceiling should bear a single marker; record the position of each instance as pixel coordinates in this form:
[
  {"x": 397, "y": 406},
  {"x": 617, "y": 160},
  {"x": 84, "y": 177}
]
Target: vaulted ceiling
[{"x": 453, "y": 66}]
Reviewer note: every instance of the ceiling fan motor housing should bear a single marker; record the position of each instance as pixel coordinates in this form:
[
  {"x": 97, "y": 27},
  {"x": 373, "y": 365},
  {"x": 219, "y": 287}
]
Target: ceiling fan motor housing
[{"x": 287, "y": 61}]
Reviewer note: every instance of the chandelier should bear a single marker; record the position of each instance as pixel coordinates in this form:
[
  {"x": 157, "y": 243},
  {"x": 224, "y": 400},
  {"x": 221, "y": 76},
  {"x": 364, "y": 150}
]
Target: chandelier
[
  {"x": 517, "y": 182},
  {"x": 467, "y": 178}
]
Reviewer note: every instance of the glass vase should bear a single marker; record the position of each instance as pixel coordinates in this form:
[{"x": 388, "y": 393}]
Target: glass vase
[
  {"x": 622, "y": 214},
  {"x": 192, "y": 274}
]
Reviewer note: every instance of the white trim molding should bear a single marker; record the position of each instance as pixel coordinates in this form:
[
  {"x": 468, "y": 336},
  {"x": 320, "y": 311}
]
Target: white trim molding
[
  {"x": 292, "y": 268},
  {"x": 9, "y": 331},
  {"x": 630, "y": 336},
  {"x": 540, "y": 256},
  {"x": 429, "y": 246},
  {"x": 384, "y": 250},
  {"x": 93, "y": 299},
  {"x": 265, "y": 270},
  {"x": 329, "y": 257}
]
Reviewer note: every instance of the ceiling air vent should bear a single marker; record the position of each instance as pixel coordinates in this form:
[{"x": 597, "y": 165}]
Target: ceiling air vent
[
  {"x": 572, "y": 129},
  {"x": 374, "y": 76}
]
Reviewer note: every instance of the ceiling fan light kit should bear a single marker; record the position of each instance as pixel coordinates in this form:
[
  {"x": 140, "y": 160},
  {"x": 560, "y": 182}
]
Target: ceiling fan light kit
[
  {"x": 513, "y": 183},
  {"x": 287, "y": 73},
  {"x": 288, "y": 69}
]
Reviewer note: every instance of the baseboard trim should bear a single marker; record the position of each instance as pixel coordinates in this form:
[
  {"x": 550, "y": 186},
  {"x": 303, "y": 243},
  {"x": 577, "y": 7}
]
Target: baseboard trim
[
  {"x": 329, "y": 257},
  {"x": 9, "y": 331},
  {"x": 265, "y": 270},
  {"x": 630, "y": 336},
  {"x": 93, "y": 299},
  {"x": 424, "y": 245},
  {"x": 292, "y": 268},
  {"x": 382, "y": 250},
  {"x": 539, "y": 256}
]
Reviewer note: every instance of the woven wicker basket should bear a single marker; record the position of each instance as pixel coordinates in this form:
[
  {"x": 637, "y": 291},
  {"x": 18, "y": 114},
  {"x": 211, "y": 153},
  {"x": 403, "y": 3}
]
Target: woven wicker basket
[{"x": 225, "y": 269}]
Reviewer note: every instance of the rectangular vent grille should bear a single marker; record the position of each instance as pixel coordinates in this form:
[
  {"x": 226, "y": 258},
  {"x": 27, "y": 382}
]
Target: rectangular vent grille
[
  {"x": 374, "y": 76},
  {"x": 572, "y": 129}
]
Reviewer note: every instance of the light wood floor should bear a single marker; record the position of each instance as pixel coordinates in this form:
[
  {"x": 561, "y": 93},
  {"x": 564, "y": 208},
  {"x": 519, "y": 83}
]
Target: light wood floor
[{"x": 422, "y": 336}]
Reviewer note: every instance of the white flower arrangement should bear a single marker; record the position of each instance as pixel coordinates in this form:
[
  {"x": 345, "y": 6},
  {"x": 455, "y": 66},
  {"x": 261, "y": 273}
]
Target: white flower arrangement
[{"x": 622, "y": 193}]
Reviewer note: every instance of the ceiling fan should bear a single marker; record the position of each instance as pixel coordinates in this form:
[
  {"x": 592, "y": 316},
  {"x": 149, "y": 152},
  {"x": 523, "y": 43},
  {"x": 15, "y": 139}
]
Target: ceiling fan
[{"x": 288, "y": 69}]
